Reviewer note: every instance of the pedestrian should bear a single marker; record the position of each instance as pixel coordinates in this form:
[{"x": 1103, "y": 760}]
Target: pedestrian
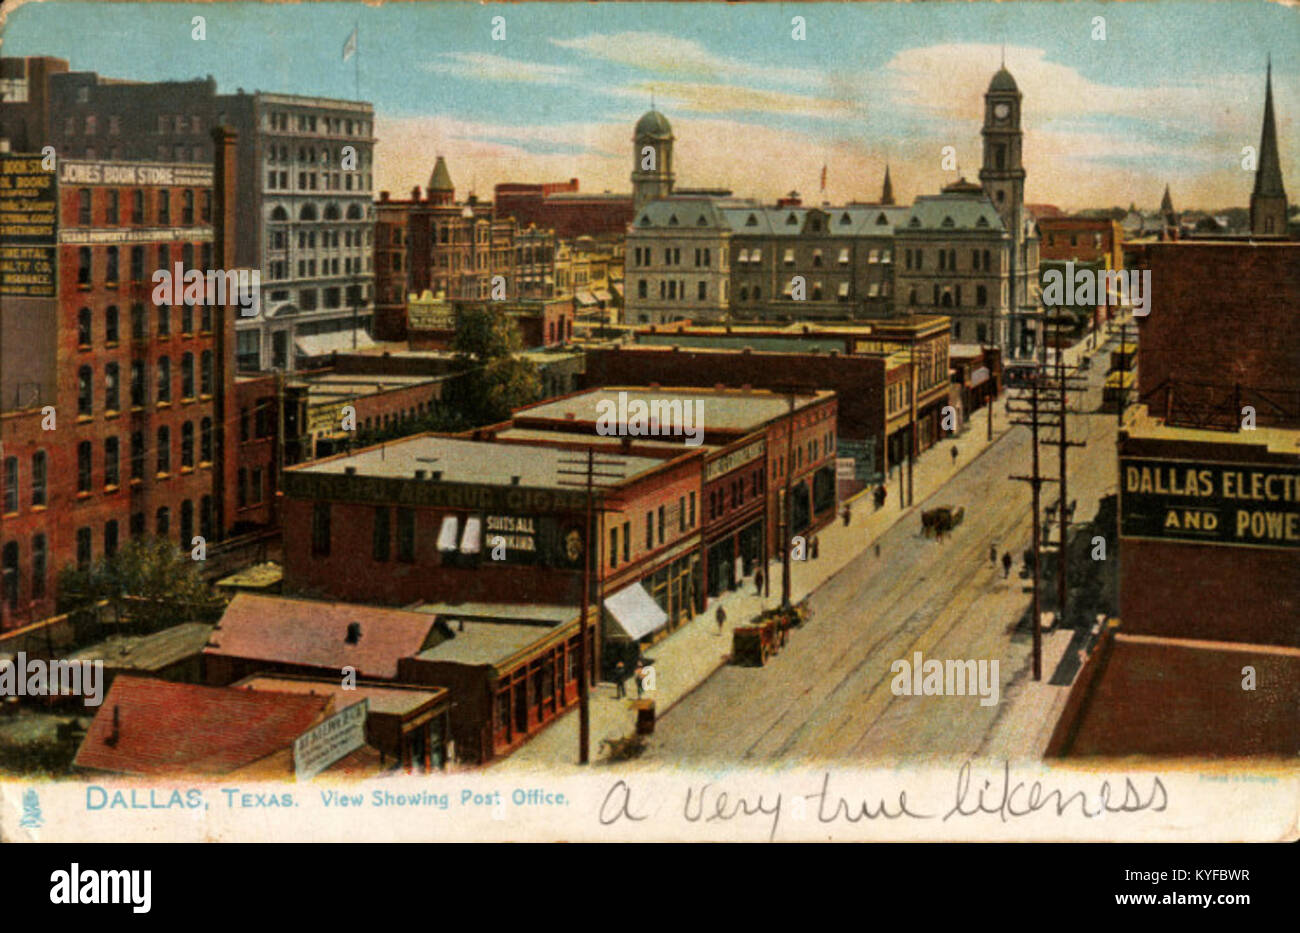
[
  {"x": 846, "y": 514},
  {"x": 815, "y": 548},
  {"x": 1006, "y": 564},
  {"x": 877, "y": 549},
  {"x": 954, "y": 454},
  {"x": 620, "y": 679},
  {"x": 639, "y": 673},
  {"x": 758, "y": 582},
  {"x": 721, "y": 616},
  {"x": 993, "y": 554}
]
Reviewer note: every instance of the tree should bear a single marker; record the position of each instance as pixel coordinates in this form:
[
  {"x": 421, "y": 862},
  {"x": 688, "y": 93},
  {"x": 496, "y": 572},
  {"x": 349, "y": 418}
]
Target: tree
[
  {"x": 494, "y": 378},
  {"x": 149, "y": 581}
]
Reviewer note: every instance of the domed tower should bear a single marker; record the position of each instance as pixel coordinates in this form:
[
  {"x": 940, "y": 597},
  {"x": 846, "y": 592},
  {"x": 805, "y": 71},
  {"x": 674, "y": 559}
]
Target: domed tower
[
  {"x": 652, "y": 159},
  {"x": 1003, "y": 174}
]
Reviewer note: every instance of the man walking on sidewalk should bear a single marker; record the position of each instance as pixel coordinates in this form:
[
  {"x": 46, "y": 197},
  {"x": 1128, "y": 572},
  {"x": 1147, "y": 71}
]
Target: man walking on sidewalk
[
  {"x": 758, "y": 582},
  {"x": 954, "y": 454},
  {"x": 1006, "y": 565},
  {"x": 620, "y": 679},
  {"x": 993, "y": 554},
  {"x": 639, "y": 674},
  {"x": 846, "y": 515},
  {"x": 721, "y": 616}
]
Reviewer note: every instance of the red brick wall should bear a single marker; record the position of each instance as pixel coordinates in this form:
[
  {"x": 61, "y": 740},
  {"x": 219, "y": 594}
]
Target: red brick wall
[{"x": 1223, "y": 313}]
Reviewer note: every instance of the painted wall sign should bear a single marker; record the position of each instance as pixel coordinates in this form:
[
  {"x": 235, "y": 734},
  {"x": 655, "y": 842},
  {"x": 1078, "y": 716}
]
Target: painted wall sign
[
  {"x": 1210, "y": 503},
  {"x": 29, "y": 227}
]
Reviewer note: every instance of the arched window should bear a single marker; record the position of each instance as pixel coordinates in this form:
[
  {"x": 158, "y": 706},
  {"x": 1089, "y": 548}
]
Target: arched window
[
  {"x": 354, "y": 212},
  {"x": 331, "y": 211},
  {"x": 164, "y": 449},
  {"x": 205, "y": 441},
  {"x": 83, "y": 327},
  {"x": 187, "y": 444},
  {"x": 308, "y": 212},
  {"x": 85, "y": 391},
  {"x": 279, "y": 213}
]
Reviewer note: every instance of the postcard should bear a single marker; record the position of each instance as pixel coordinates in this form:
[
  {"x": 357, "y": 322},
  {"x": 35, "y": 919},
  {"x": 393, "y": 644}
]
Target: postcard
[{"x": 553, "y": 421}]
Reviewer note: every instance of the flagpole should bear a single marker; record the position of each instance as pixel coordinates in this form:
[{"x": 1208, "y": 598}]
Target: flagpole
[{"x": 356, "y": 31}]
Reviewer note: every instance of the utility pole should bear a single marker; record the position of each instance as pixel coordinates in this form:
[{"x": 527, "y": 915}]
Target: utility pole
[
  {"x": 792, "y": 392},
  {"x": 913, "y": 384},
  {"x": 591, "y": 554},
  {"x": 1121, "y": 401},
  {"x": 1035, "y": 480},
  {"x": 1058, "y": 383}
]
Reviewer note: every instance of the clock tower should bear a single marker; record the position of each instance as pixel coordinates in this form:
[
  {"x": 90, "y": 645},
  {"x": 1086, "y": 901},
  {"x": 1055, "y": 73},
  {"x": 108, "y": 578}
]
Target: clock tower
[{"x": 1002, "y": 173}]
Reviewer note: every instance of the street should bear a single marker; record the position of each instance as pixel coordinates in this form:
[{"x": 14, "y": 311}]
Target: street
[{"x": 827, "y": 696}]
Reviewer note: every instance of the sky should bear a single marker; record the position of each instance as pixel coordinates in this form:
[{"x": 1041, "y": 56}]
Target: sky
[{"x": 1171, "y": 95}]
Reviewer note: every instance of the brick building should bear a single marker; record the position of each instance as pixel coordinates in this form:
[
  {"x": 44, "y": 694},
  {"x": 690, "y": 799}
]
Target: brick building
[
  {"x": 115, "y": 408},
  {"x": 1209, "y": 519},
  {"x": 560, "y": 207}
]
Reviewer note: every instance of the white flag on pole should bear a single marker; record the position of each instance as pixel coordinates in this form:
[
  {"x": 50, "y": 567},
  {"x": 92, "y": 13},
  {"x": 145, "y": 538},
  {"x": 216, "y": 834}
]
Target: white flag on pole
[{"x": 350, "y": 47}]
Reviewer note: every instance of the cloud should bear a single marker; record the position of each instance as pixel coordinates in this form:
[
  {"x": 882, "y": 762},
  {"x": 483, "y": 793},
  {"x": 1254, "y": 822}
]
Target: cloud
[
  {"x": 483, "y": 67},
  {"x": 661, "y": 53},
  {"x": 730, "y": 98}
]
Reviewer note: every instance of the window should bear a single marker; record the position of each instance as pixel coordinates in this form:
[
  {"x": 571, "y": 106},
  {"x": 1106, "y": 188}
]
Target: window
[
  {"x": 613, "y": 546},
  {"x": 164, "y": 207},
  {"x": 83, "y": 328},
  {"x": 692, "y": 517},
  {"x": 187, "y": 318},
  {"x": 681, "y": 513},
  {"x": 10, "y": 573},
  {"x": 187, "y": 523},
  {"x": 112, "y": 388},
  {"x": 11, "y": 484},
  {"x": 137, "y": 206},
  {"x": 83, "y": 207},
  {"x": 39, "y": 562},
  {"x": 320, "y": 529},
  {"x": 110, "y": 537},
  {"x": 85, "y": 391},
  {"x": 162, "y": 522},
  {"x": 257, "y": 485},
  {"x": 38, "y": 477},
  {"x": 187, "y": 207},
  {"x": 164, "y": 452},
  {"x": 138, "y": 391},
  {"x": 164, "y": 379},
  {"x": 406, "y": 535},
  {"x": 187, "y": 376},
  {"x": 164, "y": 321},
  {"x": 83, "y": 466},
  {"x": 381, "y": 535},
  {"x": 187, "y": 445},
  {"x": 205, "y": 441},
  {"x": 627, "y": 541},
  {"x": 110, "y": 271},
  {"x": 111, "y": 321},
  {"x": 205, "y": 517},
  {"x": 137, "y": 455},
  {"x": 649, "y": 530},
  {"x": 112, "y": 462},
  {"x": 703, "y": 291}
]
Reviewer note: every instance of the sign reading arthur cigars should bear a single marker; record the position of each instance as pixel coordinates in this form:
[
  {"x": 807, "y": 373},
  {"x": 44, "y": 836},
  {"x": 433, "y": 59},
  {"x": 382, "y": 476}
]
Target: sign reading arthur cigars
[
  {"x": 28, "y": 228},
  {"x": 1210, "y": 503}
]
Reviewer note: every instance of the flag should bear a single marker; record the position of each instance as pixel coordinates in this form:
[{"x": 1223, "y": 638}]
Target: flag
[
  {"x": 350, "y": 47},
  {"x": 823, "y": 176}
]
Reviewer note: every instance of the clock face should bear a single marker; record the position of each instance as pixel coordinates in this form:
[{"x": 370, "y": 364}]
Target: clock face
[{"x": 1002, "y": 111}]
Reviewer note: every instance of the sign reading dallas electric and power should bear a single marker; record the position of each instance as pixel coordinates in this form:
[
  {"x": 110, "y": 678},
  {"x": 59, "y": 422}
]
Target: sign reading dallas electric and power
[{"x": 1210, "y": 503}]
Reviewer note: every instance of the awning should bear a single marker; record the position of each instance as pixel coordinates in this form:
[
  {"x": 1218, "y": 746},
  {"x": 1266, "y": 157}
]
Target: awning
[
  {"x": 618, "y": 289},
  {"x": 472, "y": 538},
  {"x": 602, "y": 295},
  {"x": 447, "y": 533},
  {"x": 324, "y": 344},
  {"x": 585, "y": 298},
  {"x": 635, "y": 611},
  {"x": 979, "y": 376}
]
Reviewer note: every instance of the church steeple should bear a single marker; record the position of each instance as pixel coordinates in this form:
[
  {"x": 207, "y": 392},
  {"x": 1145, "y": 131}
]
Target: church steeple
[
  {"x": 1268, "y": 207},
  {"x": 1166, "y": 203},
  {"x": 887, "y": 193}
]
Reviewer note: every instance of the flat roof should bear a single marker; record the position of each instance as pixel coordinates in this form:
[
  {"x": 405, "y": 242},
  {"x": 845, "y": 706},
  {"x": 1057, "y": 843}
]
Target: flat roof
[
  {"x": 520, "y": 612},
  {"x": 736, "y": 409},
  {"x": 479, "y": 642},
  {"x": 394, "y": 701},
  {"x": 673, "y": 441},
  {"x": 479, "y": 463},
  {"x": 1142, "y": 425},
  {"x": 148, "y": 652}
]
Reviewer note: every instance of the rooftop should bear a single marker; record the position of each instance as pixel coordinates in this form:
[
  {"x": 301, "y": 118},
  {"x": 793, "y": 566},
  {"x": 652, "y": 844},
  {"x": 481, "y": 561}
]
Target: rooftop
[
  {"x": 484, "y": 643},
  {"x": 395, "y": 701},
  {"x": 165, "y": 727},
  {"x": 148, "y": 652},
  {"x": 1141, "y": 424},
  {"x": 479, "y": 463},
  {"x": 309, "y": 633},
  {"x": 726, "y": 409}
]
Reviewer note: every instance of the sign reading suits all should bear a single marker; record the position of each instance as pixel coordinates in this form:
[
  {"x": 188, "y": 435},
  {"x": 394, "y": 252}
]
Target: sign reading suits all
[{"x": 1210, "y": 503}]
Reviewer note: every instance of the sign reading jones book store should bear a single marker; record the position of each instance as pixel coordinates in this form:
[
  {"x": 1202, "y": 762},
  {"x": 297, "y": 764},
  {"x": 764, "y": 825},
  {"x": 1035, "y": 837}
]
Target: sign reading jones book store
[{"x": 1210, "y": 503}]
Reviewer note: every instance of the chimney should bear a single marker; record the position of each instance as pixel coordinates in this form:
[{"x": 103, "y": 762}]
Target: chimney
[
  {"x": 419, "y": 474},
  {"x": 436, "y": 475},
  {"x": 349, "y": 471},
  {"x": 383, "y": 197},
  {"x": 354, "y": 633},
  {"x": 570, "y": 416},
  {"x": 514, "y": 481},
  {"x": 415, "y": 193}
]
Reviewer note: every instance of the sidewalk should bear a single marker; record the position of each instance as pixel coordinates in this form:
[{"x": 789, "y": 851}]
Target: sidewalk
[{"x": 686, "y": 658}]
